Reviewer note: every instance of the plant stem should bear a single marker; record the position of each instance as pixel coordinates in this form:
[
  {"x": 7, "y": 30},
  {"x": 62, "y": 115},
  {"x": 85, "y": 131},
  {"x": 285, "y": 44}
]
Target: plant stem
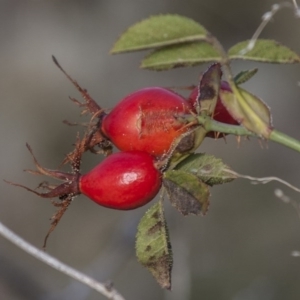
[
  {"x": 102, "y": 288},
  {"x": 225, "y": 61},
  {"x": 275, "y": 136},
  {"x": 285, "y": 140},
  {"x": 212, "y": 125}
]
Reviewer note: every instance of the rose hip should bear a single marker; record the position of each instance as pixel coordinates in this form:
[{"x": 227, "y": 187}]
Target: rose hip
[
  {"x": 147, "y": 120},
  {"x": 124, "y": 180}
]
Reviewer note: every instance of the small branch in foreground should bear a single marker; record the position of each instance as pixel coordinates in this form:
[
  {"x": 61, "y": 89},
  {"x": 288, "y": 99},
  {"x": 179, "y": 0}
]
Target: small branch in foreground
[{"x": 102, "y": 288}]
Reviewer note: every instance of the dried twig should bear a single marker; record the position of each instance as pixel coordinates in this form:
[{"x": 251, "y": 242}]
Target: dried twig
[
  {"x": 266, "y": 18},
  {"x": 102, "y": 288}
]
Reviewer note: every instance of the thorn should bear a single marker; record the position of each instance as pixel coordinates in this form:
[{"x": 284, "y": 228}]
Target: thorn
[
  {"x": 224, "y": 138},
  {"x": 217, "y": 134},
  {"x": 238, "y": 139},
  {"x": 260, "y": 142},
  {"x": 70, "y": 123}
]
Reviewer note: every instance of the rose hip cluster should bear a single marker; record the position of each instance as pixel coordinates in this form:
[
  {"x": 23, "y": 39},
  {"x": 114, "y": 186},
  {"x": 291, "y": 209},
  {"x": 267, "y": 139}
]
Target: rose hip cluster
[
  {"x": 148, "y": 127},
  {"x": 144, "y": 126}
]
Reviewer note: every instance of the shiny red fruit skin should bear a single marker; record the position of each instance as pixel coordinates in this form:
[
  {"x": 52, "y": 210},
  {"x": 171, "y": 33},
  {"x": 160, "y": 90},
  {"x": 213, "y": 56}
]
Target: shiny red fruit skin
[
  {"x": 221, "y": 114},
  {"x": 124, "y": 180},
  {"x": 146, "y": 120}
]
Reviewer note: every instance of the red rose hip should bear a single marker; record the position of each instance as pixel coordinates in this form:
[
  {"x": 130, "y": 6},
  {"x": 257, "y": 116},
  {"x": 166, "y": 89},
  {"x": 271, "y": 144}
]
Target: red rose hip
[
  {"x": 146, "y": 120},
  {"x": 124, "y": 180}
]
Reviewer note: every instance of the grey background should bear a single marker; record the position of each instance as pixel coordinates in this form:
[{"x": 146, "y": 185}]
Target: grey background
[{"x": 241, "y": 250}]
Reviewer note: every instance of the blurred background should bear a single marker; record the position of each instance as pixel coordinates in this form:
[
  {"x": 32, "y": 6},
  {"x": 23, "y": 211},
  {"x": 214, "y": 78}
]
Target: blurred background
[{"x": 241, "y": 250}]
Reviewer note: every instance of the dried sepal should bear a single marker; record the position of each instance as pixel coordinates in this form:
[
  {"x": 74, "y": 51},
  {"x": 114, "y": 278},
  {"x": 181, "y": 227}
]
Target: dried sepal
[
  {"x": 93, "y": 138},
  {"x": 65, "y": 192},
  {"x": 90, "y": 103}
]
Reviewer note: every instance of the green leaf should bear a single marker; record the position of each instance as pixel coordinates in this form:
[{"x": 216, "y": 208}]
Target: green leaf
[
  {"x": 265, "y": 51},
  {"x": 153, "y": 248},
  {"x": 159, "y": 31},
  {"x": 183, "y": 55},
  {"x": 248, "y": 110},
  {"x": 244, "y": 76},
  {"x": 208, "y": 168},
  {"x": 187, "y": 193}
]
